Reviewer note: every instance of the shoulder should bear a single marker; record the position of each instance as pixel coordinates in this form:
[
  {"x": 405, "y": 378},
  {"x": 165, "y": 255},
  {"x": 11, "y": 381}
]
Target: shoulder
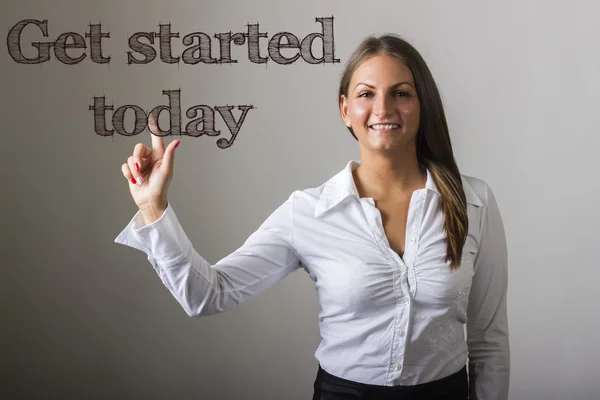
[
  {"x": 299, "y": 205},
  {"x": 317, "y": 200},
  {"x": 477, "y": 190},
  {"x": 306, "y": 200}
]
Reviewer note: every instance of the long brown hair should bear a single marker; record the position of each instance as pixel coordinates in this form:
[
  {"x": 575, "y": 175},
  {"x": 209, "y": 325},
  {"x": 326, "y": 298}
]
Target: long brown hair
[{"x": 434, "y": 150}]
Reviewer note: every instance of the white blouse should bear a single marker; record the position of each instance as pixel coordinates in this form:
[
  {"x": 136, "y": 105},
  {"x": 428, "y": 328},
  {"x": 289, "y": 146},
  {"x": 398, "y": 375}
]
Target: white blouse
[{"x": 385, "y": 319}]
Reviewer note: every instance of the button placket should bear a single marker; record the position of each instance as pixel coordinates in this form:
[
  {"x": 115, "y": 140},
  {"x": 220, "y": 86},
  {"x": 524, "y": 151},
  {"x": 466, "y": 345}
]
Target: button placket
[
  {"x": 401, "y": 279},
  {"x": 408, "y": 281}
]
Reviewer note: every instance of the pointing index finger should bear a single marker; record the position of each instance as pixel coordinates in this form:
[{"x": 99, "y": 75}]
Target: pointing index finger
[{"x": 157, "y": 141}]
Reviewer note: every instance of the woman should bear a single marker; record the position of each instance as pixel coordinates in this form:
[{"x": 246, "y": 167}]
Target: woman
[{"x": 403, "y": 249}]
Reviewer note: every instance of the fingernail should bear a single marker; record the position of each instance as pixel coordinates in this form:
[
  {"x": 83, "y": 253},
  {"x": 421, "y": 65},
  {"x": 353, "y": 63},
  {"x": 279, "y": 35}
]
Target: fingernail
[
  {"x": 177, "y": 144},
  {"x": 137, "y": 166},
  {"x": 133, "y": 180},
  {"x": 140, "y": 180}
]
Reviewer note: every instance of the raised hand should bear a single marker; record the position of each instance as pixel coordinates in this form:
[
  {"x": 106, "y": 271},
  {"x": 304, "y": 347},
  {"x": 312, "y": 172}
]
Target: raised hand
[{"x": 149, "y": 172}]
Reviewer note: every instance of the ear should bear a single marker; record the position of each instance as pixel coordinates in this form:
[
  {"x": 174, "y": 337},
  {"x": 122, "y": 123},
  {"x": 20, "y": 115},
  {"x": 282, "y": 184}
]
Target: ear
[{"x": 344, "y": 110}]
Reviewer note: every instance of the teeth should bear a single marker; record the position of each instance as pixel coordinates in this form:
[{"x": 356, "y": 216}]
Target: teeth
[{"x": 384, "y": 126}]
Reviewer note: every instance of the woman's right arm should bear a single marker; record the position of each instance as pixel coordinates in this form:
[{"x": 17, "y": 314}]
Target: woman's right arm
[{"x": 266, "y": 257}]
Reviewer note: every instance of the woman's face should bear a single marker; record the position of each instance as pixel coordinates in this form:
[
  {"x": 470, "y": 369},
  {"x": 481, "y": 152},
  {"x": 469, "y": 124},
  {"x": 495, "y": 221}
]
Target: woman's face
[{"x": 382, "y": 106}]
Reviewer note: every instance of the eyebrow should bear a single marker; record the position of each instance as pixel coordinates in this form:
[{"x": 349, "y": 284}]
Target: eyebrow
[{"x": 373, "y": 87}]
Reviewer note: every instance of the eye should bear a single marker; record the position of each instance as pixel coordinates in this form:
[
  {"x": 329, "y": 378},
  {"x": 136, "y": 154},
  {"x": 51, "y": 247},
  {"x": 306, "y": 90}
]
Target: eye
[
  {"x": 402, "y": 94},
  {"x": 365, "y": 94}
]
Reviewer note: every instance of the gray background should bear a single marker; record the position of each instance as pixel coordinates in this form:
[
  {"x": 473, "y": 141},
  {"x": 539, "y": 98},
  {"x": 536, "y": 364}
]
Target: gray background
[{"x": 85, "y": 318}]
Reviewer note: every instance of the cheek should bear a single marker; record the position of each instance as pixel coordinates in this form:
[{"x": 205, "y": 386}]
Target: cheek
[
  {"x": 411, "y": 113},
  {"x": 359, "y": 111}
]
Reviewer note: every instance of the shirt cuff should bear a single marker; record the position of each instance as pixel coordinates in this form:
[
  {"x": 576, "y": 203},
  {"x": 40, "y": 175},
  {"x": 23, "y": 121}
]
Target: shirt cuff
[{"x": 163, "y": 240}]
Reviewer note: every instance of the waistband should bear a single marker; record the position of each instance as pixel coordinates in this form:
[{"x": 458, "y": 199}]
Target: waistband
[{"x": 456, "y": 385}]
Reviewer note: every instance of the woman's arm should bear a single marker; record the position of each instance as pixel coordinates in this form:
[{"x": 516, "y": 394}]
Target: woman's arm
[
  {"x": 266, "y": 257},
  {"x": 487, "y": 326}
]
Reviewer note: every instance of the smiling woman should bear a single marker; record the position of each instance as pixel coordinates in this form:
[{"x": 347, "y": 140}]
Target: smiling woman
[
  {"x": 382, "y": 106},
  {"x": 386, "y": 81},
  {"x": 403, "y": 249}
]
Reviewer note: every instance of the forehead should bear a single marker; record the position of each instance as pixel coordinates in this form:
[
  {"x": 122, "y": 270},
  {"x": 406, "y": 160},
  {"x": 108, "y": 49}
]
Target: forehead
[{"x": 382, "y": 69}]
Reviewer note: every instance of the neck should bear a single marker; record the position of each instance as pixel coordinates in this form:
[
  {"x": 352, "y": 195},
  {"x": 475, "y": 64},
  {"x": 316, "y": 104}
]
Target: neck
[{"x": 381, "y": 176}]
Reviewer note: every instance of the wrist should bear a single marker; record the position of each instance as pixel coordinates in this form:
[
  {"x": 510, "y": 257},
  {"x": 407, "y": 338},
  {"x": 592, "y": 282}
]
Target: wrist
[{"x": 152, "y": 212}]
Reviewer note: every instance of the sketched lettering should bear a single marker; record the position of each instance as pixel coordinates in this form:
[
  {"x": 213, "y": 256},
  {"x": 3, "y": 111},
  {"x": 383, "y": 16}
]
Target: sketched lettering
[{"x": 166, "y": 45}]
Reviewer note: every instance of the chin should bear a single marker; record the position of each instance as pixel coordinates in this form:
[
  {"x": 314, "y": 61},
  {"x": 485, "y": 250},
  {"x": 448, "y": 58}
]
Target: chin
[
  {"x": 387, "y": 143},
  {"x": 383, "y": 147}
]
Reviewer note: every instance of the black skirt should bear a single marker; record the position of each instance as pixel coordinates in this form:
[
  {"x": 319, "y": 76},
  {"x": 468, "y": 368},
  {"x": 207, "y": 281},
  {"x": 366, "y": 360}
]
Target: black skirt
[{"x": 453, "y": 387}]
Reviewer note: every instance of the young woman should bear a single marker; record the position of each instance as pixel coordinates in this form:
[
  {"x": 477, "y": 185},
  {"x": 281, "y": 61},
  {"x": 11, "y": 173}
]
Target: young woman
[{"x": 403, "y": 249}]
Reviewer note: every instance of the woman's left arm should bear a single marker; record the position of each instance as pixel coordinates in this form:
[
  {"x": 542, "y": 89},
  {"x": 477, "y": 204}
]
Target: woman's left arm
[{"x": 487, "y": 325}]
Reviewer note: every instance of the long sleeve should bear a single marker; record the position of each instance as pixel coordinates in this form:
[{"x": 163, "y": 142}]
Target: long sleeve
[
  {"x": 487, "y": 326},
  {"x": 265, "y": 258}
]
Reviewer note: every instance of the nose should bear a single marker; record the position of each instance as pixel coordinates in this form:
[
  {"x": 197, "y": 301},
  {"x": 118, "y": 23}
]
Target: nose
[{"x": 383, "y": 106}]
